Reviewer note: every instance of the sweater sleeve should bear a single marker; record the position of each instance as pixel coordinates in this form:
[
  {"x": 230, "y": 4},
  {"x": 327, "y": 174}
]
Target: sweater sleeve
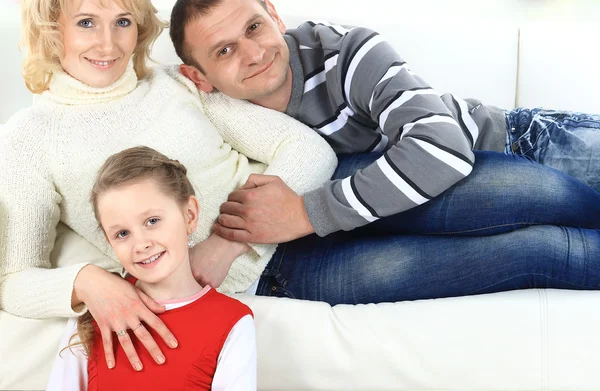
[
  {"x": 29, "y": 213},
  {"x": 429, "y": 150},
  {"x": 292, "y": 151}
]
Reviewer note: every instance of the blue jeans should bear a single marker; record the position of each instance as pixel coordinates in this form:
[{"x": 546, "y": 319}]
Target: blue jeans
[
  {"x": 557, "y": 244},
  {"x": 567, "y": 141}
]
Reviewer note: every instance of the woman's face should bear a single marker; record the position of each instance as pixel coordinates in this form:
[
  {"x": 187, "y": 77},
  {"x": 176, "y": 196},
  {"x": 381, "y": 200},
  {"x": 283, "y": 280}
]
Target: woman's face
[{"x": 98, "y": 42}]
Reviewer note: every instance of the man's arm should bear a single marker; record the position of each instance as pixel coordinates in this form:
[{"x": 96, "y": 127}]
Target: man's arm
[{"x": 430, "y": 151}]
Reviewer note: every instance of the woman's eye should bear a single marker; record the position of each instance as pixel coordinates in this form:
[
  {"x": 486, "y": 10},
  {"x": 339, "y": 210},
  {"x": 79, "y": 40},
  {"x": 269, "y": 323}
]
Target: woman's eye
[
  {"x": 123, "y": 22},
  {"x": 86, "y": 23},
  {"x": 153, "y": 221},
  {"x": 122, "y": 234}
]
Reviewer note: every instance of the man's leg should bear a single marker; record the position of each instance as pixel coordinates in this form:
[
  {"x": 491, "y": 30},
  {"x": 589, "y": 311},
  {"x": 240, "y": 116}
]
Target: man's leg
[
  {"x": 501, "y": 194},
  {"x": 338, "y": 269},
  {"x": 567, "y": 141}
]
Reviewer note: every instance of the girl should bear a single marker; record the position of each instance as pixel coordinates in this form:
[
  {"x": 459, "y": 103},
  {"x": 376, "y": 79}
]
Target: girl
[{"x": 146, "y": 207}]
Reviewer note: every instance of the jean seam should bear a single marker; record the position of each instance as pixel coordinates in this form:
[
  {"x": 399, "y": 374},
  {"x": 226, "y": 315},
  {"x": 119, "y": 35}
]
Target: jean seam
[{"x": 482, "y": 229}]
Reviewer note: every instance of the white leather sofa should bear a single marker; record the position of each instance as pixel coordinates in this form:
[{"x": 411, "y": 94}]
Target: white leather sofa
[{"x": 508, "y": 53}]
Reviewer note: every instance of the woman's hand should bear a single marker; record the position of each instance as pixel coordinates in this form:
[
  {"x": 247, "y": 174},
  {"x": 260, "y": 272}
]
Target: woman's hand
[
  {"x": 211, "y": 259},
  {"x": 117, "y": 305}
]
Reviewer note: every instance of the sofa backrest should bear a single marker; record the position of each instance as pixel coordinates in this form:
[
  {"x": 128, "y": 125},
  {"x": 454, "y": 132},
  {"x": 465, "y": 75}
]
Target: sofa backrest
[{"x": 460, "y": 49}]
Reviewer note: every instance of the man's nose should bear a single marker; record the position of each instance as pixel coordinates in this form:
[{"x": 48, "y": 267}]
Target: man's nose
[{"x": 253, "y": 50}]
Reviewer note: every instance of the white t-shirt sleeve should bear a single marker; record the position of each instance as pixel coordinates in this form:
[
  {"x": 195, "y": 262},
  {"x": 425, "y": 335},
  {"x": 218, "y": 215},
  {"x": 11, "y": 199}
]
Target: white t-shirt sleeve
[
  {"x": 69, "y": 371},
  {"x": 236, "y": 367}
]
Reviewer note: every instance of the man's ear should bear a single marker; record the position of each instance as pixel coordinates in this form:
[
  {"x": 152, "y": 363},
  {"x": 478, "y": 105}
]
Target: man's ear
[
  {"x": 197, "y": 77},
  {"x": 273, "y": 12},
  {"x": 192, "y": 209}
]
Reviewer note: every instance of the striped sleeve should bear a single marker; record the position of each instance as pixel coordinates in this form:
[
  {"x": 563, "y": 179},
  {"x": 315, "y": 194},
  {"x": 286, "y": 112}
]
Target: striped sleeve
[{"x": 429, "y": 150}]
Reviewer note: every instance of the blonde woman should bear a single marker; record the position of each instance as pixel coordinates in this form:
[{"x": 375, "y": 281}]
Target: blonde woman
[{"x": 88, "y": 60}]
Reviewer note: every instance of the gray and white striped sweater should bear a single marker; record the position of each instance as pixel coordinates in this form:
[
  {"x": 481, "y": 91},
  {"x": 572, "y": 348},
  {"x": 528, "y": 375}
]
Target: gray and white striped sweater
[{"x": 352, "y": 87}]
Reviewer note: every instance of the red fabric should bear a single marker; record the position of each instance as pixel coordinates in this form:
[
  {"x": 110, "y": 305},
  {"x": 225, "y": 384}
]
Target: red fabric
[{"x": 201, "y": 329}]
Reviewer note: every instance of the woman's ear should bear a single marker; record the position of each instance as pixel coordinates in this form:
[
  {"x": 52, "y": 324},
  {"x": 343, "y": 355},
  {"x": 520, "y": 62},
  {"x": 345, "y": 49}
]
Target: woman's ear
[{"x": 192, "y": 209}]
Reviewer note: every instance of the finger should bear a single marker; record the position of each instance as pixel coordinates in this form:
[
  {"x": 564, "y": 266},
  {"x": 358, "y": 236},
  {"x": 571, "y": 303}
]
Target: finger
[
  {"x": 231, "y": 221},
  {"x": 129, "y": 349},
  {"x": 107, "y": 342},
  {"x": 147, "y": 340},
  {"x": 237, "y": 196},
  {"x": 152, "y": 321},
  {"x": 150, "y": 303},
  {"x": 256, "y": 180},
  {"x": 233, "y": 208},
  {"x": 236, "y": 235}
]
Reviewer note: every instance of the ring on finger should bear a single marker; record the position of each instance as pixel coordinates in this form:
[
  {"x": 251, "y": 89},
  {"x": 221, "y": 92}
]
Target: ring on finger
[
  {"x": 121, "y": 333},
  {"x": 136, "y": 326}
]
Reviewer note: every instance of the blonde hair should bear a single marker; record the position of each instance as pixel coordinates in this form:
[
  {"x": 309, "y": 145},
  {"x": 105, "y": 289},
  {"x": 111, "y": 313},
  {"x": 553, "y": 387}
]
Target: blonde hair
[
  {"x": 41, "y": 38},
  {"x": 125, "y": 167}
]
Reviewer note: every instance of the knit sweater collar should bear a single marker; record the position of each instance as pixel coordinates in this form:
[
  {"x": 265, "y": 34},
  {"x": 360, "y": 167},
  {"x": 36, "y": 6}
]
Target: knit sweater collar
[{"x": 65, "y": 89}]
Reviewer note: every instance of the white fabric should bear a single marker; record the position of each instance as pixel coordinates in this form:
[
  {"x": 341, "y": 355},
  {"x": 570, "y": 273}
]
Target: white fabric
[{"x": 236, "y": 366}]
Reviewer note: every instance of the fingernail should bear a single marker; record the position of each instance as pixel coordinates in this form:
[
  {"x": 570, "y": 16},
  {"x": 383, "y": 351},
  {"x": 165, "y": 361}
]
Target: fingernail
[
  {"x": 173, "y": 343},
  {"x": 138, "y": 366},
  {"x": 111, "y": 365},
  {"x": 161, "y": 359}
]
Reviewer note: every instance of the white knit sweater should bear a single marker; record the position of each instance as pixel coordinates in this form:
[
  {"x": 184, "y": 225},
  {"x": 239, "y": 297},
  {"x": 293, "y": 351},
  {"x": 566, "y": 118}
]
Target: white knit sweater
[{"x": 50, "y": 154}]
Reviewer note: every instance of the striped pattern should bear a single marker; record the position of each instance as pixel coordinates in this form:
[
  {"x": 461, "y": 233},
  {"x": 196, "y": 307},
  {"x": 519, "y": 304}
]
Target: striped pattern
[{"x": 362, "y": 97}]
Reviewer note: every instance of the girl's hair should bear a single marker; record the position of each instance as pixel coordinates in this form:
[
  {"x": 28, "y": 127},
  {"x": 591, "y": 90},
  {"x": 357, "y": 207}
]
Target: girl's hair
[
  {"x": 126, "y": 167},
  {"x": 42, "y": 41}
]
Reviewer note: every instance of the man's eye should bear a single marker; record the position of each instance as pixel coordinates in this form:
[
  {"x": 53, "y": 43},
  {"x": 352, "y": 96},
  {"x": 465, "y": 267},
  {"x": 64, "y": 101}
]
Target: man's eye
[
  {"x": 224, "y": 51},
  {"x": 123, "y": 22},
  {"x": 253, "y": 27},
  {"x": 85, "y": 23},
  {"x": 122, "y": 234}
]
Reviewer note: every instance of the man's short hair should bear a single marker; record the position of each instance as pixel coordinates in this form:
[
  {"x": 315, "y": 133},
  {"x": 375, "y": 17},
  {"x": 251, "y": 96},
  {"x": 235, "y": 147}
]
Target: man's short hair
[{"x": 184, "y": 12}]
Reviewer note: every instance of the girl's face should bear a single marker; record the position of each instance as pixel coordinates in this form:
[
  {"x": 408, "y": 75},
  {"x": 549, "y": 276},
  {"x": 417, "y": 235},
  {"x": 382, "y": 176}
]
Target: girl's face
[
  {"x": 148, "y": 231},
  {"x": 98, "y": 42}
]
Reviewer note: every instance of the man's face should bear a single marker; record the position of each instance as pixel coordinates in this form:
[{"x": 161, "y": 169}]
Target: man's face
[{"x": 240, "y": 48}]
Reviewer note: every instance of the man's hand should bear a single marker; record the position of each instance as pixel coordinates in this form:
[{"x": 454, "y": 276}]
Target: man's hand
[
  {"x": 211, "y": 259},
  {"x": 264, "y": 210}
]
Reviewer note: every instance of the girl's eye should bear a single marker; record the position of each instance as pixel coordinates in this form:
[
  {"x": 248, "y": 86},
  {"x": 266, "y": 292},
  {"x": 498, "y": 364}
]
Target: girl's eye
[
  {"x": 85, "y": 23},
  {"x": 123, "y": 22},
  {"x": 122, "y": 234},
  {"x": 153, "y": 221}
]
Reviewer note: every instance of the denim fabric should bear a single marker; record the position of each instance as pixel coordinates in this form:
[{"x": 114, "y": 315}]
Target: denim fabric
[
  {"x": 377, "y": 263},
  {"x": 501, "y": 194},
  {"x": 338, "y": 269},
  {"x": 567, "y": 141}
]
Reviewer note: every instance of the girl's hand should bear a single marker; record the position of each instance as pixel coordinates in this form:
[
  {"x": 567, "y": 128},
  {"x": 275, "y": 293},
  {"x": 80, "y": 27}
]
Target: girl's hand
[
  {"x": 211, "y": 259},
  {"x": 117, "y": 305}
]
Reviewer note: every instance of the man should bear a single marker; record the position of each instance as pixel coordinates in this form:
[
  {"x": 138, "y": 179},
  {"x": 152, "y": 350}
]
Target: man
[{"x": 352, "y": 88}]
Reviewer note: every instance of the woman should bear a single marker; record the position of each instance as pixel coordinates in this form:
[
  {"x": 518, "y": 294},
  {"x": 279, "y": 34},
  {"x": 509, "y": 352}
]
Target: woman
[{"x": 88, "y": 60}]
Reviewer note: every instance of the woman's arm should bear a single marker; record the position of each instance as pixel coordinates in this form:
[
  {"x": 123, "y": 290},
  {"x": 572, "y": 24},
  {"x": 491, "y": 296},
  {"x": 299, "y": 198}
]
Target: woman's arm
[
  {"x": 292, "y": 151},
  {"x": 29, "y": 213}
]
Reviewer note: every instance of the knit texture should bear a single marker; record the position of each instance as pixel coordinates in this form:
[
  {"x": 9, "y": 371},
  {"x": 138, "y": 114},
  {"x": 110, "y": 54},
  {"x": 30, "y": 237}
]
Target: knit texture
[{"x": 52, "y": 151}]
